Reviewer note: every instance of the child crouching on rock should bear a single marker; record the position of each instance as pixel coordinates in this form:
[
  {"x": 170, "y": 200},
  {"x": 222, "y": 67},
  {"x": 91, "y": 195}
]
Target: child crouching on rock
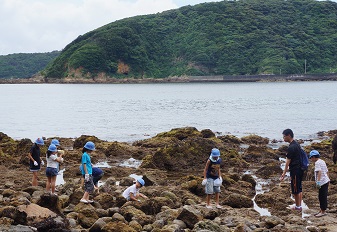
[
  {"x": 322, "y": 181},
  {"x": 212, "y": 175},
  {"x": 132, "y": 193}
]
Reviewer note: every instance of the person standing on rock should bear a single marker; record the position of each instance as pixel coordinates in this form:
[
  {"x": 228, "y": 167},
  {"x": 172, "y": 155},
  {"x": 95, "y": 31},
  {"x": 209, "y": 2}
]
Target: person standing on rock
[
  {"x": 35, "y": 159},
  {"x": 322, "y": 181},
  {"x": 293, "y": 164},
  {"x": 211, "y": 174},
  {"x": 52, "y": 168},
  {"x": 59, "y": 152},
  {"x": 87, "y": 171}
]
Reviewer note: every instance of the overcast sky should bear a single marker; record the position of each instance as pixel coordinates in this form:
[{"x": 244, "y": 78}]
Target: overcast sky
[{"x": 29, "y": 26}]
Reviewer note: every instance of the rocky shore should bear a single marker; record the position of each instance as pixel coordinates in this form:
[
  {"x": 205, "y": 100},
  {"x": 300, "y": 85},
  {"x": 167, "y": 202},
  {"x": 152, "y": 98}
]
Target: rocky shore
[
  {"x": 104, "y": 79},
  {"x": 172, "y": 166}
]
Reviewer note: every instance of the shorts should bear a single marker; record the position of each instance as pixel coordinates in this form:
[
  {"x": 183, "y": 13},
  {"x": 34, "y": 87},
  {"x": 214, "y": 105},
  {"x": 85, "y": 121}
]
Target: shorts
[
  {"x": 296, "y": 176},
  {"x": 51, "y": 172},
  {"x": 210, "y": 188},
  {"x": 88, "y": 185}
]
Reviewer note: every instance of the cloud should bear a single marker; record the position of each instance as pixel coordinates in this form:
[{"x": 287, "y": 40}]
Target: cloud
[{"x": 30, "y": 26}]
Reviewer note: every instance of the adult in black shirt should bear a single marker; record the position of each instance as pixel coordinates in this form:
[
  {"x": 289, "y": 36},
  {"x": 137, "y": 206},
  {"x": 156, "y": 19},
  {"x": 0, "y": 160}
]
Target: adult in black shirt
[{"x": 293, "y": 164}]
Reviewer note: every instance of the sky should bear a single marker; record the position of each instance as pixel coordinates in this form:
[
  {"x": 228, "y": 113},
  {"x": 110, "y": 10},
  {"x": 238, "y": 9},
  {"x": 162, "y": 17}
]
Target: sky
[{"x": 31, "y": 26}]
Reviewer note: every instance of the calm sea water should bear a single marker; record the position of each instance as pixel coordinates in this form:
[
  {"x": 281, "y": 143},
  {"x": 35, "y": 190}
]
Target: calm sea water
[{"x": 129, "y": 112}]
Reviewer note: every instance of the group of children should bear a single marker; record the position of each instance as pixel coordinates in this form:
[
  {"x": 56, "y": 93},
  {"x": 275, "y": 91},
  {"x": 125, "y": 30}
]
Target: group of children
[
  {"x": 212, "y": 174},
  {"x": 53, "y": 160}
]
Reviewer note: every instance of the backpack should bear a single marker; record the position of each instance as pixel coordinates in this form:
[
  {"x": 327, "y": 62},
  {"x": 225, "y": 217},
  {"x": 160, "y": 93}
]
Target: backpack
[{"x": 304, "y": 160}]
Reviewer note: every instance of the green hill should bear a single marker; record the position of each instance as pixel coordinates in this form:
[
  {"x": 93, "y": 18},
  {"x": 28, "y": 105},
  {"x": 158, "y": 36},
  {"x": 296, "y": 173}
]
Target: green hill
[
  {"x": 243, "y": 37},
  {"x": 24, "y": 65}
]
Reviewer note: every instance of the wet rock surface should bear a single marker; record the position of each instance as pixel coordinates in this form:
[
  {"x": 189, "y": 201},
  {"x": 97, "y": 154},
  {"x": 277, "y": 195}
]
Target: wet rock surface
[{"x": 172, "y": 166}]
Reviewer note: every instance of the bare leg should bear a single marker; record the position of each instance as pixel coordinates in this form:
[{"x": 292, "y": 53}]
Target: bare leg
[
  {"x": 217, "y": 198},
  {"x": 298, "y": 199},
  {"x": 53, "y": 181},
  {"x": 34, "y": 180},
  {"x": 48, "y": 184},
  {"x": 208, "y": 199}
]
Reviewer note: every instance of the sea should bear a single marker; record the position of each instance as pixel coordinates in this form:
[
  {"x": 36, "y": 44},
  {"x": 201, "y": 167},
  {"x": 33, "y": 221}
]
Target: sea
[{"x": 131, "y": 112}]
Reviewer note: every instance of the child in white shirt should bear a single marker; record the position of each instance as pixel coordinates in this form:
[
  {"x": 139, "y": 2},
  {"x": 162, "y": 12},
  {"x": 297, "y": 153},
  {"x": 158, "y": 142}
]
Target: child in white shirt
[
  {"x": 322, "y": 181},
  {"x": 132, "y": 193}
]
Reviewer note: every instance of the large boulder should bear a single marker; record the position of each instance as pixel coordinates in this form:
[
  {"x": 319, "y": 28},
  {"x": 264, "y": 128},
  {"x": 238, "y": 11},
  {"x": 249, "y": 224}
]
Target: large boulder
[
  {"x": 190, "y": 216},
  {"x": 236, "y": 200}
]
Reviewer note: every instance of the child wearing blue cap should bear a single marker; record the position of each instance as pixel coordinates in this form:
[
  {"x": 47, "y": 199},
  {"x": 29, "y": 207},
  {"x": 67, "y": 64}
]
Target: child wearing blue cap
[
  {"x": 212, "y": 178},
  {"x": 132, "y": 193},
  {"x": 322, "y": 181},
  {"x": 52, "y": 168},
  {"x": 87, "y": 171},
  {"x": 35, "y": 160}
]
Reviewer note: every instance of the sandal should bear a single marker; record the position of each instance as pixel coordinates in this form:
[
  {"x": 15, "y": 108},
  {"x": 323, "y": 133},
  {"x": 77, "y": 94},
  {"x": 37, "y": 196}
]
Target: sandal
[
  {"x": 320, "y": 215},
  {"x": 218, "y": 206}
]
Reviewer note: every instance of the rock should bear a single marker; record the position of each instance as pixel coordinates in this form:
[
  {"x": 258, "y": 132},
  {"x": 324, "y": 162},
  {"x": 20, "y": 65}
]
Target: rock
[
  {"x": 99, "y": 224},
  {"x": 87, "y": 215},
  {"x": 106, "y": 200},
  {"x": 168, "y": 215},
  {"x": 51, "y": 202},
  {"x": 269, "y": 170},
  {"x": 57, "y": 224},
  {"x": 135, "y": 225},
  {"x": 190, "y": 216},
  {"x": 238, "y": 201},
  {"x": 117, "y": 227},
  {"x": 131, "y": 213},
  {"x": 207, "y": 133},
  {"x": 207, "y": 225},
  {"x": 118, "y": 217},
  {"x": 273, "y": 221},
  {"x": 19, "y": 217},
  {"x": 255, "y": 139},
  {"x": 36, "y": 213},
  {"x": 153, "y": 206}
]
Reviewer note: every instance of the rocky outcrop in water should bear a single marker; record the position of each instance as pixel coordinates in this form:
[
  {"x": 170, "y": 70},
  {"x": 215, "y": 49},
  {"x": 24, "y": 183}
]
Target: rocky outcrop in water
[{"x": 172, "y": 167}]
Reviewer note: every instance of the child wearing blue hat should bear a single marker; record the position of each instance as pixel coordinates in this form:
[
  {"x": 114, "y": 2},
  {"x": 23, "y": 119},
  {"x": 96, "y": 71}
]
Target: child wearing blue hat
[
  {"x": 87, "y": 171},
  {"x": 212, "y": 178},
  {"x": 322, "y": 181},
  {"x": 52, "y": 167},
  {"x": 132, "y": 193},
  {"x": 35, "y": 160}
]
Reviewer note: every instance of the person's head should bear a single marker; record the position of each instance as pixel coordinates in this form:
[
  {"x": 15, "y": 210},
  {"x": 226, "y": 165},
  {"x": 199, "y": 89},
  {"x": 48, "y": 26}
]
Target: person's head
[
  {"x": 51, "y": 150},
  {"x": 39, "y": 141},
  {"x": 314, "y": 155},
  {"x": 88, "y": 147},
  {"x": 215, "y": 154},
  {"x": 55, "y": 142},
  {"x": 140, "y": 183},
  {"x": 288, "y": 135}
]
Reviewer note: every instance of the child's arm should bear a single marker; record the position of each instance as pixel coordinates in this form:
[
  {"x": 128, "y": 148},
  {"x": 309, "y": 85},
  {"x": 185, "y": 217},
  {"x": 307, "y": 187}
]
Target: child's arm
[
  {"x": 143, "y": 196},
  {"x": 133, "y": 197},
  {"x": 206, "y": 167}
]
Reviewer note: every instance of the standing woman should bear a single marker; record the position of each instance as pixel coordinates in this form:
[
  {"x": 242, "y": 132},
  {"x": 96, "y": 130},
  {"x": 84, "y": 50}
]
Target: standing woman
[
  {"x": 87, "y": 171},
  {"x": 35, "y": 159},
  {"x": 52, "y": 168}
]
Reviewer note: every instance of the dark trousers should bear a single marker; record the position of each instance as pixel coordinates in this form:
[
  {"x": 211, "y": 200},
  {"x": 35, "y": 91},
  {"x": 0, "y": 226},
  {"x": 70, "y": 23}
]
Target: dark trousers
[{"x": 323, "y": 196}]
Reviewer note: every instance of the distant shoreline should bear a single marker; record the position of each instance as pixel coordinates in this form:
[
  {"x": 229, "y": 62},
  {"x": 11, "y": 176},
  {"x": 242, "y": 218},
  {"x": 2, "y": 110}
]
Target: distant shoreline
[{"x": 184, "y": 79}]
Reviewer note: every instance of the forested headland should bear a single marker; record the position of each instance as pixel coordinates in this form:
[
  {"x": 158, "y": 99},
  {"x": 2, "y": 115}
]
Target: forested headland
[
  {"x": 24, "y": 65},
  {"x": 246, "y": 37}
]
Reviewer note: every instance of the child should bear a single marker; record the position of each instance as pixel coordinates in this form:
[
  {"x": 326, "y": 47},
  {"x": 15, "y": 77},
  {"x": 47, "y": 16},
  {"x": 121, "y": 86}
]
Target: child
[
  {"x": 52, "y": 168},
  {"x": 97, "y": 174},
  {"x": 35, "y": 160},
  {"x": 211, "y": 173},
  {"x": 87, "y": 172},
  {"x": 132, "y": 193},
  {"x": 60, "y": 152},
  {"x": 322, "y": 181}
]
